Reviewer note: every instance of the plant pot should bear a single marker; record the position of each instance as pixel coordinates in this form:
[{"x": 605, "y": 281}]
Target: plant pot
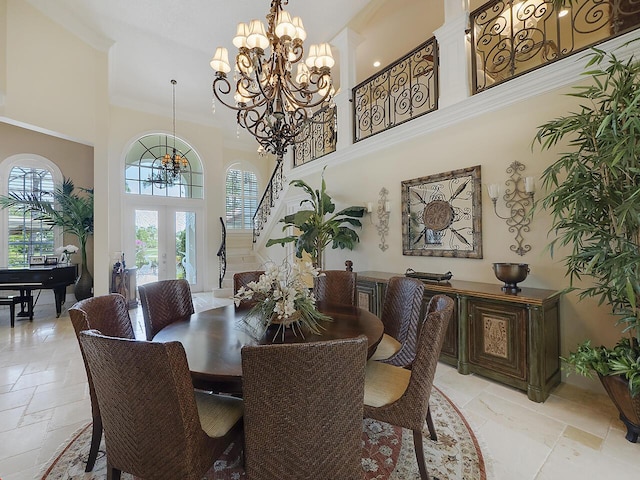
[
  {"x": 84, "y": 284},
  {"x": 617, "y": 388}
]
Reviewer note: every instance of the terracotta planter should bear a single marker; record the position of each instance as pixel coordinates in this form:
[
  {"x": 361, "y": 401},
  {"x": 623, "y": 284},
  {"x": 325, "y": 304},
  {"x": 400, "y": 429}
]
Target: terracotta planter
[{"x": 629, "y": 407}]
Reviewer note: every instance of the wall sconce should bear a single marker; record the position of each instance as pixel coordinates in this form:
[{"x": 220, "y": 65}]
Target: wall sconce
[
  {"x": 382, "y": 211},
  {"x": 518, "y": 198}
]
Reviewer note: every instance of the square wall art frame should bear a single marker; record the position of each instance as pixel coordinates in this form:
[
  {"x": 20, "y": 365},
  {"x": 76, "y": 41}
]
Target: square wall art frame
[{"x": 442, "y": 214}]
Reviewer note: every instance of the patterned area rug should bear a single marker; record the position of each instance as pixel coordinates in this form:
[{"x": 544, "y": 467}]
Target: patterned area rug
[{"x": 387, "y": 452}]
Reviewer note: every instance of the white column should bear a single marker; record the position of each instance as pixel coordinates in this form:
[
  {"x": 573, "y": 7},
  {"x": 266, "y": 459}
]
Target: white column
[
  {"x": 345, "y": 43},
  {"x": 453, "y": 56}
]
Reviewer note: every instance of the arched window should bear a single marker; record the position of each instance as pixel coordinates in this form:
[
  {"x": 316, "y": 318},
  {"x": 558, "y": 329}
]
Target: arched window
[
  {"x": 145, "y": 174},
  {"x": 241, "y": 197},
  {"x": 26, "y": 234}
]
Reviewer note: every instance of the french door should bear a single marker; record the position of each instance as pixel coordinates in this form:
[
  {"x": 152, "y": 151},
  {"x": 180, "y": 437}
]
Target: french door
[{"x": 164, "y": 243}]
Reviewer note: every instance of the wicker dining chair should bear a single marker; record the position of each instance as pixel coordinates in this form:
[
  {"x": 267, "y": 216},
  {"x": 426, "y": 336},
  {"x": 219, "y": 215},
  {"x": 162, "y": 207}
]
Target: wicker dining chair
[
  {"x": 241, "y": 279},
  {"x": 400, "y": 317},
  {"x": 164, "y": 303},
  {"x": 335, "y": 286},
  {"x": 108, "y": 314},
  {"x": 303, "y": 410},
  {"x": 400, "y": 396},
  {"x": 155, "y": 425}
]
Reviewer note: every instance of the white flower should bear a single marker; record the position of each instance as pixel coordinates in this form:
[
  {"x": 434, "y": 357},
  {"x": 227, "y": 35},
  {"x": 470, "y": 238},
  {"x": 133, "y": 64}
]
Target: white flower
[{"x": 67, "y": 249}]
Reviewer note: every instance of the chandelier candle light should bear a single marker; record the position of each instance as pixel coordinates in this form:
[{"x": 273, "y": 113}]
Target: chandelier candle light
[
  {"x": 276, "y": 93},
  {"x": 172, "y": 164}
]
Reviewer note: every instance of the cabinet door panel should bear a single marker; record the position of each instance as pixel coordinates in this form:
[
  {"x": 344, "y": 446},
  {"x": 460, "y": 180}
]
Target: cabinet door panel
[{"x": 498, "y": 338}]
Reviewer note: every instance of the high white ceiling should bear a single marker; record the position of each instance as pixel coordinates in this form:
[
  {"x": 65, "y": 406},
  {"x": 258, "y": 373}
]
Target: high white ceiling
[{"x": 152, "y": 41}]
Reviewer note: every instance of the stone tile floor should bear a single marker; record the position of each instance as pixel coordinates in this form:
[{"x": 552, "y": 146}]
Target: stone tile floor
[{"x": 44, "y": 398}]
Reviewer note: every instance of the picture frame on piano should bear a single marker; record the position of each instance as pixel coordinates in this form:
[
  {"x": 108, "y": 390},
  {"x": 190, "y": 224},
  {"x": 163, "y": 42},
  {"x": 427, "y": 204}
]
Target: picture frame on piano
[
  {"x": 36, "y": 260},
  {"x": 50, "y": 260}
]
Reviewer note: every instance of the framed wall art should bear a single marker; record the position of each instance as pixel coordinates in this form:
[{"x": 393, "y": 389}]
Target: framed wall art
[{"x": 442, "y": 214}]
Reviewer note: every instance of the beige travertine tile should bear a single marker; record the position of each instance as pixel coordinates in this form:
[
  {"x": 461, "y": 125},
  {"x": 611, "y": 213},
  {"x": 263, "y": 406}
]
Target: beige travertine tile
[
  {"x": 10, "y": 419},
  {"x": 536, "y": 427},
  {"x": 18, "y": 467},
  {"x": 10, "y": 375},
  {"x": 55, "y": 438},
  {"x": 39, "y": 378},
  {"x": 618, "y": 447},
  {"x": 22, "y": 439},
  {"x": 571, "y": 460},
  {"x": 71, "y": 414},
  {"x": 55, "y": 398},
  {"x": 585, "y": 438},
  {"x": 460, "y": 388},
  {"x": 12, "y": 399}
]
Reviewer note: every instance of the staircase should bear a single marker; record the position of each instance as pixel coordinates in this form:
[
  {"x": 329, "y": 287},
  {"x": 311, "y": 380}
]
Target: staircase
[{"x": 240, "y": 258}]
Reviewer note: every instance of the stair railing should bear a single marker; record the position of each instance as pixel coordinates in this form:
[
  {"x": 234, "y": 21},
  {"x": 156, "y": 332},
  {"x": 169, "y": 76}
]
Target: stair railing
[
  {"x": 271, "y": 193},
  {"x": 222, "y": 254}
]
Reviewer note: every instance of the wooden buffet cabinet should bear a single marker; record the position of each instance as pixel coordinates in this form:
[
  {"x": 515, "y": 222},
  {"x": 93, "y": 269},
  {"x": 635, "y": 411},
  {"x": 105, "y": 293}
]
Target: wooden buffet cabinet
[{"x": 511, "y": 338}]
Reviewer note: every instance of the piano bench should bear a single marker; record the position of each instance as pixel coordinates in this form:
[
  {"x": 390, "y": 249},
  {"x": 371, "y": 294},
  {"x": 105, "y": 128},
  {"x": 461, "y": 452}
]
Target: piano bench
[{"x": 11, "y": 300}]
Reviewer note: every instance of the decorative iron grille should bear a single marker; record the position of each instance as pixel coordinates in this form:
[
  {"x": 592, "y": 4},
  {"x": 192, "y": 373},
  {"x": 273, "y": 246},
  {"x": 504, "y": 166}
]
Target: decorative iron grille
[
  {"x": 271, "y": 193},
  {"x": 512, "y": 37},
  {"x": 320, "y": 137},
  {"x": 404, "y": 90}
]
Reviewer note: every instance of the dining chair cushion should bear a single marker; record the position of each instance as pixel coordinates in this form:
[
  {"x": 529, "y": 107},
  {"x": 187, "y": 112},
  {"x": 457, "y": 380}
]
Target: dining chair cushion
[
  {"x": 218, "y": 413},
  {"x": 384, "y": 383},
  {"x": 387, "y": 347}
]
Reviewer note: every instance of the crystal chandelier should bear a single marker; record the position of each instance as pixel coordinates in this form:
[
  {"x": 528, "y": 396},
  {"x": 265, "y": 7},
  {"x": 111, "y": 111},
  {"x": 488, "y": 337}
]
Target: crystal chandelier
[
  {"x": 172, "y": 164},
  {"x": 272, "y": 102}
]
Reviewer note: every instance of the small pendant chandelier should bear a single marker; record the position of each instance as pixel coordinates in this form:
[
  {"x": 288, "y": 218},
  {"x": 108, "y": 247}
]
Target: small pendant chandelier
[{"x": 173, "y": 165}]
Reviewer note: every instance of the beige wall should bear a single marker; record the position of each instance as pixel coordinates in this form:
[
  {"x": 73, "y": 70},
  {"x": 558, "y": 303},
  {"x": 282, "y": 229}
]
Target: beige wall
[{"x": 493, "y": 141}]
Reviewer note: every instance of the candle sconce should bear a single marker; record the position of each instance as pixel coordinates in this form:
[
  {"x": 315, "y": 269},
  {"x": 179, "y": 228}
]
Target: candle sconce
[
  {"x": 382, "y": 211},
  {"x": 518, "y": 198}
]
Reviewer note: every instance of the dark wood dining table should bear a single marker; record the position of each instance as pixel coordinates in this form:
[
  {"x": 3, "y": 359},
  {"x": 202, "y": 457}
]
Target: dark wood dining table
[{"x": 212, "y": 339}]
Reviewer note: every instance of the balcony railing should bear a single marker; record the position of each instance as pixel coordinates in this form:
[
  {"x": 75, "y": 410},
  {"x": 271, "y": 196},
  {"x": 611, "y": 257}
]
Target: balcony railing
[
  {"x": 404, "y": 90},
  {"x": 319, "y": 137},
  {"x": 512, "y": 37}
]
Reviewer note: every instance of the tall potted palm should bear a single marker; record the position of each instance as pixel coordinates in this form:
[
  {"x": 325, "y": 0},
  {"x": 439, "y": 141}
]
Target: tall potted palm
[
  {"x": 314, "y": 230},
  {"x": 594, "y": 200},
  {"x": 72, "y": 212}
]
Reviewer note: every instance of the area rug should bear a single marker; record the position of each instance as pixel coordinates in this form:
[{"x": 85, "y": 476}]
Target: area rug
[{"x": 387, "y": 452}]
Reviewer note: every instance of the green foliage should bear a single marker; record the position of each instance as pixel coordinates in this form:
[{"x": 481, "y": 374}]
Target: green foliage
[
  {"x": 594, "y": 199},
  {"x": 623, "y": 359},
  {"x": 70, "y": 211},
  {"x": 316, "y": 232}
]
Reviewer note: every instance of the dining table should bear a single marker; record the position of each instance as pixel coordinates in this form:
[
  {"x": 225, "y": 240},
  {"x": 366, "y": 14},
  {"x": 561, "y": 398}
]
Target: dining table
[{"x": 213, "y": 339}]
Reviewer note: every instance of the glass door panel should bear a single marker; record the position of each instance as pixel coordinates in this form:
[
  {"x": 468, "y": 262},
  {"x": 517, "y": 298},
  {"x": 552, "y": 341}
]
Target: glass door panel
[
  {"x": 185, "y": 246},
  {"x": 147, "y": 229}
]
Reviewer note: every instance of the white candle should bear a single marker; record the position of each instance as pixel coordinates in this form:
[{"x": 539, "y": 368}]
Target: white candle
[
  {"x": 387, "y": 207},
  {"x": 369, "y": 207},
  {"x": 494, "y": 190},
  {"x": 529, "y": 185}
]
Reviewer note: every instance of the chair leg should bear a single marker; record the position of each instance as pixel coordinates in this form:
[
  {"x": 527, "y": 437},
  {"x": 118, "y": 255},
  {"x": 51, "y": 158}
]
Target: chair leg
[
  {"x": 96, "y": 437},
  {"x": 432, "y": 431},
  {"x": 112, "y": 473},
  {"x": 418, "y": 447},
  {"x": 12, "y": 312}
]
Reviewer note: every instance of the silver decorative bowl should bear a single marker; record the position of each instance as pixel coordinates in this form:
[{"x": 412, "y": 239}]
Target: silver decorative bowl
[{"x": 511, "y": 274}]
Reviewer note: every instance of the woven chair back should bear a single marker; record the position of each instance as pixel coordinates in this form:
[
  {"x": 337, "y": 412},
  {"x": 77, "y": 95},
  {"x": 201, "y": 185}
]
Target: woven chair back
[
  {"x": 336, "y": 286},
  {"x": 401, "y": 315},
  {"x": 241, "y": 279},
  {"x": 163, "y": 303},
  {"x": 303, "y": 405},
  {"x": 151, "y": 423}
]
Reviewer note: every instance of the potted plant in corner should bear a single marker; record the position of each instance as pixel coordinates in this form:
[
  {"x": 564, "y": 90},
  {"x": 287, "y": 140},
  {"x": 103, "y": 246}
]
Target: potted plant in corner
[
  {"x": 70, "y": 211},
  {"x": 315, "y": 231},
  {"x": 594, "y": 201}
]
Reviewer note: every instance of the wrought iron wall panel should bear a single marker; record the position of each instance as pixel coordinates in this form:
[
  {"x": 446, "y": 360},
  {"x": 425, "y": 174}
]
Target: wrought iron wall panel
[
  {"x": 512, "y": 37},
  {"x": 271, "y": 193},
  {"x": 402, "y": 91},
  {"x": 319, "y": 137}
]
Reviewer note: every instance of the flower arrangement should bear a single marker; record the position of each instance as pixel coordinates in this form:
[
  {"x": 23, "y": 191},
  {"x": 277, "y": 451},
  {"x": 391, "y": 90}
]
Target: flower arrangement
[
  {"x": 65, "y": 252},
  {"x": 284, "y": 298}
]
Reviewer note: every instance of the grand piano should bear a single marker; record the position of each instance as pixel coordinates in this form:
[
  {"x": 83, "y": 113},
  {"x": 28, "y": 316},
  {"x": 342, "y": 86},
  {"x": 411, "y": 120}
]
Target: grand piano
[{"x": 27, "y": 279}]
